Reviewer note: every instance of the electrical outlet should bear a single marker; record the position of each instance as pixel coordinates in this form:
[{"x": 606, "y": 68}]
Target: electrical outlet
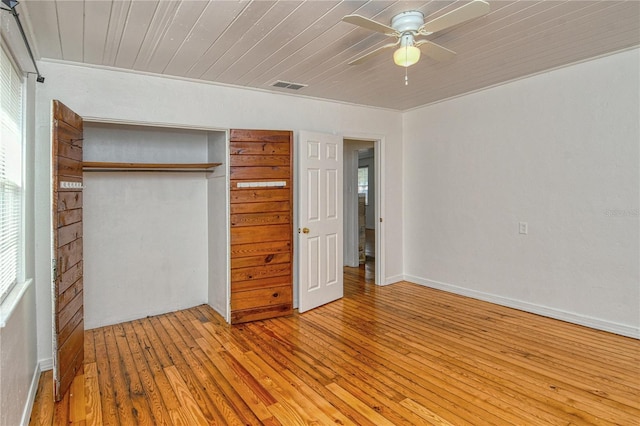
[{"x": 523, "y": 228}]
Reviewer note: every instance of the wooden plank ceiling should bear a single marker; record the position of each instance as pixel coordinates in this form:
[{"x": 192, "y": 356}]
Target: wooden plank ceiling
[{"x": 254, "y": 43}]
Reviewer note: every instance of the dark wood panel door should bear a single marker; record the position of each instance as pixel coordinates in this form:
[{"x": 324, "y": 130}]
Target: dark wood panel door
[
  {"x": 68, "y": 304},
  {"x": 261, "y": 171}
]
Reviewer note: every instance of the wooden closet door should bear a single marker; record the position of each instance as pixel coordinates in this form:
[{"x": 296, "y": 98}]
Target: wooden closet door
[
  {"x": 68, "y": 305},
  {"x": 261, "y": 176}
]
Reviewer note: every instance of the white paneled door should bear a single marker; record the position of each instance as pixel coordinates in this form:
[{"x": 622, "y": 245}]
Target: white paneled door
[{"x": 320, "y": 219}]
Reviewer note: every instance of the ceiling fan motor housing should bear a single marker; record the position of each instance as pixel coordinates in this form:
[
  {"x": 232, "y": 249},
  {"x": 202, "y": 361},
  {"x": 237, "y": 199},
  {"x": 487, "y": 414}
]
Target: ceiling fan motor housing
[{"x": 409, "y": 21}]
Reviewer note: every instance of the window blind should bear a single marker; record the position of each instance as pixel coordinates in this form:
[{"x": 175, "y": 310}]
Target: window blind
[{"x": 11, "y": 180}]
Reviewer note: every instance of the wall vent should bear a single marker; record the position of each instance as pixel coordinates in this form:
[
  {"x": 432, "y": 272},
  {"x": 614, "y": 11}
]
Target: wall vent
[{"x": 288, "y": 85}]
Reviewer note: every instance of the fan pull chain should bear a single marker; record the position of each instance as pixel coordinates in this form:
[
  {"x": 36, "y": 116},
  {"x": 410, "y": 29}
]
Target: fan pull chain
[{"x": 406, "y": 68}]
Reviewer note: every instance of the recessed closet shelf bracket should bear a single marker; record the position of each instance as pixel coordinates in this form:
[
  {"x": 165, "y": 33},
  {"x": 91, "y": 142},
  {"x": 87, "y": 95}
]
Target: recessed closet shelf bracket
[{"x": 92, "y": 166}]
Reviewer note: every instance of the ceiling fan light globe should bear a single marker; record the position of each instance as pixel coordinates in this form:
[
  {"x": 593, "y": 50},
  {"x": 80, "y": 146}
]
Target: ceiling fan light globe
[{"x": 405, "y": 56}]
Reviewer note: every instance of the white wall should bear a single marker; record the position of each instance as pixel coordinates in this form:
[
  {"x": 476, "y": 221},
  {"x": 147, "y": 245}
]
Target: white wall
[
  {"x": 116, "y": 95},
  {"x": 18, "y": 345},
  {"x": 218, "y": 224},
  {"x": 559, "y": 151},
  {"x": 18, "y": 363}
]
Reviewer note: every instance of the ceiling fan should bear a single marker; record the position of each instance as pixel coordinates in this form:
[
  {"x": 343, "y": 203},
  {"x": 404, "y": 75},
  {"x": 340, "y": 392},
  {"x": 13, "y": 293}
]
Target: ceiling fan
[{"x": 406, "y": 26}]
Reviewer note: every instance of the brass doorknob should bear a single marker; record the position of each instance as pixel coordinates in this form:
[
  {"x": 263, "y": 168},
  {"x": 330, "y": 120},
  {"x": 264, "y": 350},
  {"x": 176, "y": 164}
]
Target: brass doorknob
[{"x": 305, "y": 230}]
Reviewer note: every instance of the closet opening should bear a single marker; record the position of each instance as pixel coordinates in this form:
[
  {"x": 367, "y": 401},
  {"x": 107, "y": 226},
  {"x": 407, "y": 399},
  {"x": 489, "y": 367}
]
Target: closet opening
[{"x": 155, "y": 239}]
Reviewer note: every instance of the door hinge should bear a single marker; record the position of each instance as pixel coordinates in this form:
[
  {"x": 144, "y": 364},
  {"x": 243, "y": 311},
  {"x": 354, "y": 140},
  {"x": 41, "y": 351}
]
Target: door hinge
[
  {"x": 380, "y": 220},
  {"x": 54, "y": 269}
]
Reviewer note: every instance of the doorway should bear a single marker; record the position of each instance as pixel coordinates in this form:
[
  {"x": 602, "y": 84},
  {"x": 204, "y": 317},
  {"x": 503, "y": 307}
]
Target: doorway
[{"x": 361, "y": 209}]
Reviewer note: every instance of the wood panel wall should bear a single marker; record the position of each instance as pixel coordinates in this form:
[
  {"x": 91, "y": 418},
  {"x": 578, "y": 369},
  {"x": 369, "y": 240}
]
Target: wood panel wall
[
  {"x": 68, "y": 293},
  {"x": 261, "y": 225}
]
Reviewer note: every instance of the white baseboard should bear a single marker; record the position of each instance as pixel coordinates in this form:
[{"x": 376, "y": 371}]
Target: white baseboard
[
  {"x": 46, "y": 364},
  {"x": 31, "y": 396},
  {"x": 546, "y": 311},
  {"x": 393, "y": 279}
]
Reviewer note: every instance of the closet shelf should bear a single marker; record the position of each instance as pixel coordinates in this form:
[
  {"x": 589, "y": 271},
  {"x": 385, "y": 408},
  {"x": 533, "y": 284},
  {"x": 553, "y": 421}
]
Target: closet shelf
[{"x": 92, "y": 166}]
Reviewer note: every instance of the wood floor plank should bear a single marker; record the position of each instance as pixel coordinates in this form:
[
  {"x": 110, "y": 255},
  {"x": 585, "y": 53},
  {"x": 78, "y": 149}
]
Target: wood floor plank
[
  {"x": 145, "y": 377},
  {"x": 77, "y": 407},
  {"x": 89, "y": 349},
  {"x": 277, "y": 354},
  {"x": 286, "y": 414},
  {"x": 447, "y": 393},
  {"x": 366, "y": 411},
  {"x": 43, "y": 406},
  {"x": 457, "y": 338},
  {"x": 204, "y": 391},
  {"x": 497, "y": 317},
  {"x": 155, "y": 343},
  {"x": 249, "y": 409},
  {"x": 529, "y": 341},
  {"x": 425, "y": 413},
  {"x": 355, "y": 375},
  {"x": 136, "y": 392},
  {"x": 284, "y": 390},
  {"x": 180, "y": 417},
  {"x": 241, "y": 397},
  {"x": 107, "y": 399},
  {"x": 93, "y": 406},
  {"x": 290, "y": 355},
  {"x": 237, "y": 374},
  {"x": 127, "y": 412},
  {"x": 524, "y": 372},
  {"x": 319, "y": 401},
  {"x": 448, "y": 368},
  {"x": 402, "y": 354},
  {"x": 363, "y": 372},
  {"x": 155, "y": 368},
  {"x": 188, "y": 405},
  {"x": 61, "y": 411},
  {"x": 176, "y": 352},
  {"x": 226, "y": 399}
]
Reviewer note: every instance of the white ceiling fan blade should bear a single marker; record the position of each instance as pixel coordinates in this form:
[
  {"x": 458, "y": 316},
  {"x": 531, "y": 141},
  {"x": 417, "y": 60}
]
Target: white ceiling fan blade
[
  {"x": 469, "y": 11},
  {"x": 369, "y": 24},
  {"x": 435, "y": 51},
  {"x": 373, "y": 53}
]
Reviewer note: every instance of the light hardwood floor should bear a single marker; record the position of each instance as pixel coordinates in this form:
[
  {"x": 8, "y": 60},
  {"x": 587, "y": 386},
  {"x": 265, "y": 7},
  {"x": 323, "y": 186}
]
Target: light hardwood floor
[{"x": 401, "y": 354}]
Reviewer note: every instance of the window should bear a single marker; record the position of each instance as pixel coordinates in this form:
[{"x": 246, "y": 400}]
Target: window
[
  {"x": 11, "y": 175},
  {"x": 363, "y": 183}
]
